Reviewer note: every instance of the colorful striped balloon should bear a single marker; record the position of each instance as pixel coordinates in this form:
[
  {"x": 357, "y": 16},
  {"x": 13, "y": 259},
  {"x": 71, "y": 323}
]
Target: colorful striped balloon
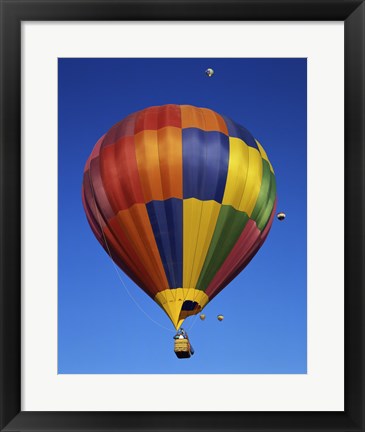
[{"x": 181, "y": 198}]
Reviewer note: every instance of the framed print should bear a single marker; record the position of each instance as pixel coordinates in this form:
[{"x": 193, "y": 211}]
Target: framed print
[{"x": 181, "y": 215}]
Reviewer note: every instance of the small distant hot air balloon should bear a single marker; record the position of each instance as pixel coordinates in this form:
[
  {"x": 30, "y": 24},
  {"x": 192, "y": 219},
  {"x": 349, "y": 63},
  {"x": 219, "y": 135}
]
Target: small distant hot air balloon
[
  {"x": 220, "y": 317},
  {"x": 209, "y": 72},
  {"x": 281, "y": 216},
  {"x": 202, "y": 317}
]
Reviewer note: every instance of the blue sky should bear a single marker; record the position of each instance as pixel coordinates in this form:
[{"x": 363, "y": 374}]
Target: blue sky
[{"x": 100, "y": 328}]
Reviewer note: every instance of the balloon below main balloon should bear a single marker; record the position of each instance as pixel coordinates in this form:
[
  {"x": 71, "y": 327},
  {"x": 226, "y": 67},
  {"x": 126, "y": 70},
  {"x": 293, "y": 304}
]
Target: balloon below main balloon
[{"x": 181, "y": 198}]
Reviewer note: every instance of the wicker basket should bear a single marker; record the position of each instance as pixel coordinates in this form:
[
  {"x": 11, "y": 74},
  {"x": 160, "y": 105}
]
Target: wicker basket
[
  {"x": 182, "y": 348},
  {"x": 182, "y": 345}
]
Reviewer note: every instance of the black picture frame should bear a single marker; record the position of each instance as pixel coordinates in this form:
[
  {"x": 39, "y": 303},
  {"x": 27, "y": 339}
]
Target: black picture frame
[{"x": 13, "y": 12}]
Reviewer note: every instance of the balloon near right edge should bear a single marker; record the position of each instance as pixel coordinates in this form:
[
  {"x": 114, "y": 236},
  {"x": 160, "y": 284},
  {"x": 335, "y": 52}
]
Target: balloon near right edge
[{"x": 181, "y": 198}]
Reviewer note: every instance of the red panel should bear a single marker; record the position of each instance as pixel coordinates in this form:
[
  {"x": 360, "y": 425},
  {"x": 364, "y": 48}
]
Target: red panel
[
  {"x": 249, "y": 236},
  {"x": 91, "y": 216},
  {"x": 124, "y": 128},
  {"x": 158, "y": 117},
  {"x": 94, "y": 153},
  {"x": 98, "y": 190},
  {"x": 109, "y": 240},
  {"x": 120, "y": 176}
]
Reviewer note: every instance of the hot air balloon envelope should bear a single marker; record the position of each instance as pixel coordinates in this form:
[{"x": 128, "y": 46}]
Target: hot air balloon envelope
[
  {"x": 181, "y": 198},
  {"x": 209, "y": 72}
]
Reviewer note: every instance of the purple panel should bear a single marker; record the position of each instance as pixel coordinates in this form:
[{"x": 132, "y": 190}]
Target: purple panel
[
  {"x": 94, "y": 153},
  {"x": 99, "y": 191}
]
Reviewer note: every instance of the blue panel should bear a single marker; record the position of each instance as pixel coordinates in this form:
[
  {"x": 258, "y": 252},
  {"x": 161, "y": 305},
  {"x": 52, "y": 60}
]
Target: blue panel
[
  {"x": 205, "y": 164},
  {"x": 166, "y": 219},
  {"x": 237, "y": 131}
]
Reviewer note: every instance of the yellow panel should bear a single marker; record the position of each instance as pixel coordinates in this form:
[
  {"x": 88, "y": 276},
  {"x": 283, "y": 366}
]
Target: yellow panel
[
  {"x": 200, "y": 218},
  {"x": 192, "y": 210},
  {"x": 253, "y": 182},
  {"x": 237, "y": 172},
  {"x": 264, "y": 155},
  {"x": 171, "y": 300}
]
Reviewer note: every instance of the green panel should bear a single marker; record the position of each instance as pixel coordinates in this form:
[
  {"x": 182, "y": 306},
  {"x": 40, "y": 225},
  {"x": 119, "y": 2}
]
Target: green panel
[
  {"x": 266, "y": 210},
  {"x": 264, "y": 191},
  {"x": 265, "y": 201},
  {"x": 230, "y": 224}
]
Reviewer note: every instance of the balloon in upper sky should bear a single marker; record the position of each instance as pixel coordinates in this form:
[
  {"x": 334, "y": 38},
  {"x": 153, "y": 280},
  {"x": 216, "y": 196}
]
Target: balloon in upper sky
[
  {"x": 209, "y": 72},
  {"x": 181, "y": 198}
]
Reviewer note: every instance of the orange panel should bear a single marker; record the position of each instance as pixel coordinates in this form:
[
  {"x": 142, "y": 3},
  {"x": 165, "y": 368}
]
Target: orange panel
[
  {"x": 148, "y": 162},
  {"x": 191, "y": 117},
  {"x": 119, "y": 244},
  {"x": 137, "y": 227},
  {"x": 170, "y": 155},
  {"x": 202, "y": 118},
  {"x": 159, "y": 160},
  {"x": 213, "y": 121}
]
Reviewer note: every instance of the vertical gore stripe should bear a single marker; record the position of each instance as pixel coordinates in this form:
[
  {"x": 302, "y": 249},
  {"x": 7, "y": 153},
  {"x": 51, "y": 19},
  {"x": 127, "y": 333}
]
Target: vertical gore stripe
[
  {"x": 264, "y": 191},
  {"x": 200, "y": 218},
  {"x": 166, "y": 221},
  {"x": 252, "y": 186},
  {"x": 148, "y": 161},
  {"x": 266, "y": 210},
  {"x": 229, "y": 226},
  {"x": 120, "y": 175},
  {"x": 237, "y": 172},
  {"x": 119, "y": 242},
  {"x": 136, "y": 225},
  {"x": 205, "y": 164},
  {"x": 159, "y": 159},
  {"x": 170, "y": 157},
  {"x": 99, "y": 194}
]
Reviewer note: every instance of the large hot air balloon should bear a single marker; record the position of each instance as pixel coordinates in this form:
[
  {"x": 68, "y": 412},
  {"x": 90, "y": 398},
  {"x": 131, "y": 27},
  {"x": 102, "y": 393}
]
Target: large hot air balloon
[{"x": 181, "y": 198}]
